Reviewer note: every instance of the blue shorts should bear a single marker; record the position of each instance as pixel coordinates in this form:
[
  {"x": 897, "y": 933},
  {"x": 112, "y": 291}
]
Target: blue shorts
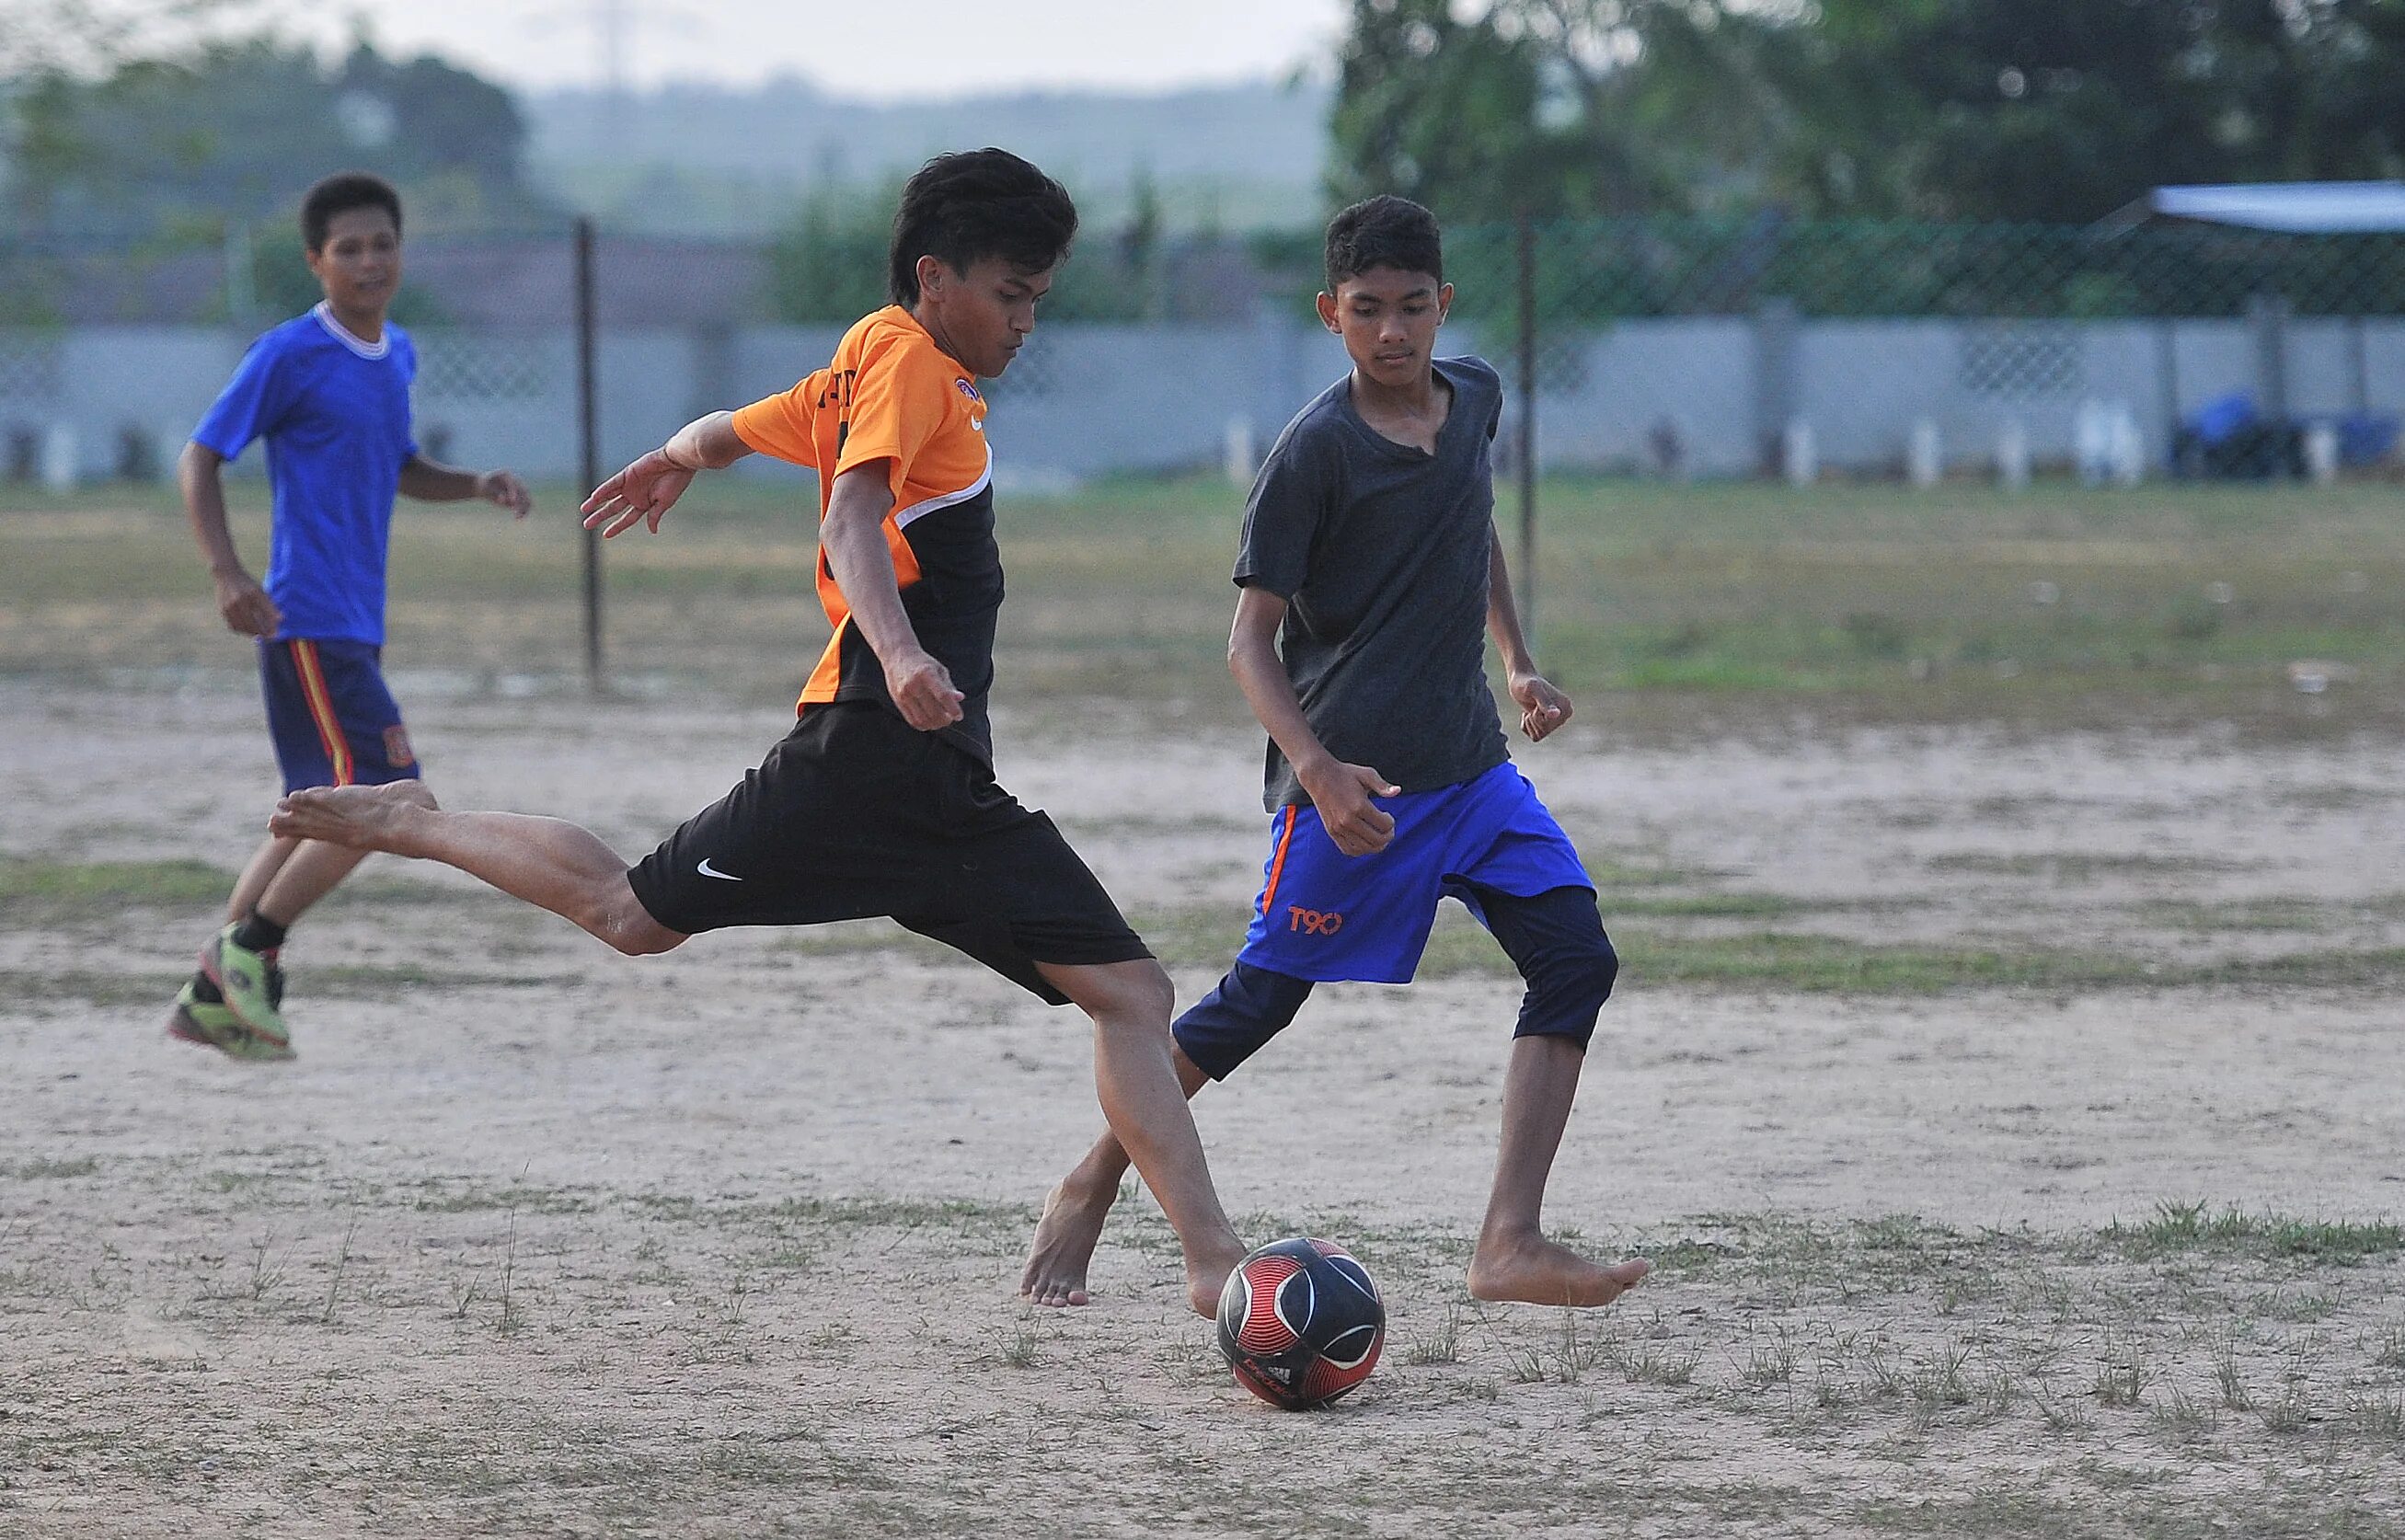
[
  {"x": 333, "y": 720},
  {"x": 1323, "y": 914}
]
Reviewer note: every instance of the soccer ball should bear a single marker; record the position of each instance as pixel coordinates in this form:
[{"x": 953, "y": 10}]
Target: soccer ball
[{"x": 1300, "y": 1323}]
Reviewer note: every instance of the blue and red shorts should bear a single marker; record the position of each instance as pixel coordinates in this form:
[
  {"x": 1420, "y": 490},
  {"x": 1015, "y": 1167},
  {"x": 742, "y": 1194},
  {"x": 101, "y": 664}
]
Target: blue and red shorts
[
  {"x": 333, "y": 720},
  {"x": 1323, "y": 914}
]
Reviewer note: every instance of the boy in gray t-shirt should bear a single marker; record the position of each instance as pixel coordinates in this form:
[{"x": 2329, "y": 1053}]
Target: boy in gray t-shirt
[{"x": 1369, "y": 566}]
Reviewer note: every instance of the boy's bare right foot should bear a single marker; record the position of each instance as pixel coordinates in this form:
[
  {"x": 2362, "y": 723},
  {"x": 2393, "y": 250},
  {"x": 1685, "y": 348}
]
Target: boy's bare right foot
[
  {"x": 368, "y": 817},
  {"x": 1207, "y": 1277},
  {"x": 1063, "y": 1247},
  {"x": 1537, "y": 1271}
]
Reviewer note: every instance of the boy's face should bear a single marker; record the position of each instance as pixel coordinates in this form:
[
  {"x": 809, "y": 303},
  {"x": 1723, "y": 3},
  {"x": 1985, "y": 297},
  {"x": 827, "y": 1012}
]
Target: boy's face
[
  {"x": 982, "y": 315},
  {"x": 359, "y": 265},
  {"x": 1389, "y": 320}
]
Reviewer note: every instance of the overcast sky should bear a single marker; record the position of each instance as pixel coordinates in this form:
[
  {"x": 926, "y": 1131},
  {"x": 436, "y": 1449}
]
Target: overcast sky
[{"x": 881, "y": 49}]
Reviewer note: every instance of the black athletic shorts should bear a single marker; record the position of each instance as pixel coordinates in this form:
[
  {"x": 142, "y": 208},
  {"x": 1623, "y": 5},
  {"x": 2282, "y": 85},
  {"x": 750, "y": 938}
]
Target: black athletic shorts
[{"x": 856, "y": 813}]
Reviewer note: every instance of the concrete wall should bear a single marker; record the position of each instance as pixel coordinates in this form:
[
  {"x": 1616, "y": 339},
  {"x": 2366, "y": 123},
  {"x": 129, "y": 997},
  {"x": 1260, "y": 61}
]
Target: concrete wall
[{"x": 1689, "y": 395}]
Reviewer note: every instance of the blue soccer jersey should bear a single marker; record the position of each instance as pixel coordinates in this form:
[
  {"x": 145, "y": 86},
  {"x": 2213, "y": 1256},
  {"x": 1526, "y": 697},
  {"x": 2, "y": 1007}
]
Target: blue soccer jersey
[{"x": 335, "y": 411}]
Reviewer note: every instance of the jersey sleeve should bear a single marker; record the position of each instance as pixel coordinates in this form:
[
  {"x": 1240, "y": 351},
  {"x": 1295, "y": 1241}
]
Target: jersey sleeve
[
  {"x": 252, "y": 403},
  {"x": 1290, "y": 499},
  {"x": 780, "y": 425},
  {"x": 901, "y": 399}
]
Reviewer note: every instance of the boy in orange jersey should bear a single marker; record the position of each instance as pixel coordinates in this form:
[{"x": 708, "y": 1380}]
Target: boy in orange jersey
[{"x": 882, "y": 800}]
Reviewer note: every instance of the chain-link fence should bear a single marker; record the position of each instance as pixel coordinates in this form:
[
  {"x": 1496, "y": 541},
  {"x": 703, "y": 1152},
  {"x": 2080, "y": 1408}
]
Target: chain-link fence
[
  {"x": 1660, "y": 352},
  {"x": 1600, "y": 271},
  {"x": 1682, "y": 347}
]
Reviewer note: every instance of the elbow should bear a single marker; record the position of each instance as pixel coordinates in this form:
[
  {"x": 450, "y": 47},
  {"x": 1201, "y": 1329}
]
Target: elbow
[
  {"x": 197, "y": 468},
  {"x": 1243, "y": 657}
]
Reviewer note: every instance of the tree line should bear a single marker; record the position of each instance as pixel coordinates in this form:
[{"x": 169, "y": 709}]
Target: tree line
[{"x": 2051, "y": 111}]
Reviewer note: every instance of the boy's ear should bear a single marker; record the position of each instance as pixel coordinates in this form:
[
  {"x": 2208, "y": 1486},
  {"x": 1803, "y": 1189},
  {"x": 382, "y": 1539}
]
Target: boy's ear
[
  {"x": 1443, "y": 302},
  {"x": 931, "y": 272},
  {"x": 1328, "y": 314}
]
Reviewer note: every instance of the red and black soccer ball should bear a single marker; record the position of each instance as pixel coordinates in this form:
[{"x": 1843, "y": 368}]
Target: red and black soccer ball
[{"x": 1301, "y": 1323}]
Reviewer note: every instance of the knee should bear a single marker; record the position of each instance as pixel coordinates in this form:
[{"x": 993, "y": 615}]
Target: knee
[
  {"x": 649, "y": 938},
  {"x": 1136, "y": 993},
  {"x": 631, "y": 931},
  {"x": 1599, "y": 970},
  {"x": 1568, "y": 990},
  {"x": 1145, "y": 994}
]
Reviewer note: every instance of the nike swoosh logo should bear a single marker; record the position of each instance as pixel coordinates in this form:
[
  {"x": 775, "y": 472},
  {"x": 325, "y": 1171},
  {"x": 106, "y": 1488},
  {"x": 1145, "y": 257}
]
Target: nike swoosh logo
[{"x": 708, "y": 871}]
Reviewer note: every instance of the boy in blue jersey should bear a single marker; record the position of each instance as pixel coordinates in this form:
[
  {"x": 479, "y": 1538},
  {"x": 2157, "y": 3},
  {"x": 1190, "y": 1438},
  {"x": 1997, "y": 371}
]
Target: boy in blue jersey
[
  {"x": 330, "y": 393},
  {"x": 1369, "y": 567}
]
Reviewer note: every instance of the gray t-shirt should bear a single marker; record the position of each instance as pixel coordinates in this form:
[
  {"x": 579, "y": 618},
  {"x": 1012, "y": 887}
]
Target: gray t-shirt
[{"x": 1382, "y": 553}]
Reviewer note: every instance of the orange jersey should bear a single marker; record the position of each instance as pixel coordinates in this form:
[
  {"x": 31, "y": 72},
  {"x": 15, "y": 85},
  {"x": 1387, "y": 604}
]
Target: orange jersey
[{"x": 891, "y": 393}]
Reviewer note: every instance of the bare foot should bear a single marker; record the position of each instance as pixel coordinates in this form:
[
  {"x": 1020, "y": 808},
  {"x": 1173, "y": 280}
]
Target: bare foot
[
  {"x": 1539, "y": 1272},
  {"x": 1063, "y": 1247},
  {"x": 1206, "y": 1278},
  {"x": 362, "y": 817}
]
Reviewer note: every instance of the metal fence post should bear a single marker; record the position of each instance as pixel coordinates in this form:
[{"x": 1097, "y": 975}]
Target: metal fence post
[
  {"x": 2268, "y": 313},
  {"x": 589, "y": 428},
  {"x": 1776, "y": 393},
  {"x": 1527, "y": 425}
]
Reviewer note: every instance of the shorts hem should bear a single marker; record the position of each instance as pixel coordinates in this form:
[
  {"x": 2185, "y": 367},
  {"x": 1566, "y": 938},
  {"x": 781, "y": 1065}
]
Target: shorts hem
[
  {"x": 380, "y": 776},
  {"x": 1096, "y": 958},
  {"x": 1323, "y": 973}
]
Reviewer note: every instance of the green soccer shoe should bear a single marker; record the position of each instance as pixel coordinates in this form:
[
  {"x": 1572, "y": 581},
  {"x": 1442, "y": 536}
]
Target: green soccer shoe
[
  {"x": 248, "y": 979},
  {"x": 213, "y": 1025}
]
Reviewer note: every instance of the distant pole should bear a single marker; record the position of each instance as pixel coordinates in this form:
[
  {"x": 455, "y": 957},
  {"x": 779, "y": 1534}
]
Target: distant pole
[
  {"x": 1528, "y": 448},
  {"x": 588, "y": 431}
]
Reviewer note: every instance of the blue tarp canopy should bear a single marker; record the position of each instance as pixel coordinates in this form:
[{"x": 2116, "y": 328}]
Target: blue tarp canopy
[{"x": 2292, "y": 208}]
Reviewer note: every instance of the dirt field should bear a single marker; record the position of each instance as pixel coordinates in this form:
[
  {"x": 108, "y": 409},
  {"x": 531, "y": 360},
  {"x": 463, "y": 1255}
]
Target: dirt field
[{"x": 2012, "y": 1116}]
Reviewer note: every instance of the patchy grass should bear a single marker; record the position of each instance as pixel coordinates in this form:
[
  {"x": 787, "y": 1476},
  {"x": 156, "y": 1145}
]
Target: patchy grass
[
  {"x": 51, "y": 1169},
  {"x": 1880, "y": 600},
  {"x": 27, "y": 992},
  {"x": 2074, "y": 1398},
  {"x": 35, "y": 893},
  {"x": 2178, "y": 1227}
]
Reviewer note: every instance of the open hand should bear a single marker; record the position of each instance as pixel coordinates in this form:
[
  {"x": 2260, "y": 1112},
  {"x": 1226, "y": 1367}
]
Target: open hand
[
  {"x": 1342, "y": 793},
  {"x": 245, "y": 606},
  {"x": 638, "y": 495},
  {"x": 503, "y": 489},
  {"x": 1543, "y": 706},
  {"x": 922, "y": 692}
]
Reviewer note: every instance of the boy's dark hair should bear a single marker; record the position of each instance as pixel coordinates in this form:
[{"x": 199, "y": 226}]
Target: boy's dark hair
[
  {"x": 340, "y": 193},
  {"x": 976, "y": 204},
  {"x": 1384, "y": 232}
]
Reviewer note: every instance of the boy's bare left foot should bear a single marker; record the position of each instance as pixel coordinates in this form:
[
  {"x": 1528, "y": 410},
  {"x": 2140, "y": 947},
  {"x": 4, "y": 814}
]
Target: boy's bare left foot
[
  {"x": 361, "y": 817},
  {"x": 1064, "y": 1249},
  {"x": 1537, "y": 1271}
]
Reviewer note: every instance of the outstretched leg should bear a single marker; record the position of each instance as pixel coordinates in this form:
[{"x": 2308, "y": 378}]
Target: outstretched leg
[
  {"x": 1250, "y": 1007},
  {"x": 548, "y": 862},
  {"x": 1557, "y": 941},
  {"x": 1135, "y": 1074}
]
